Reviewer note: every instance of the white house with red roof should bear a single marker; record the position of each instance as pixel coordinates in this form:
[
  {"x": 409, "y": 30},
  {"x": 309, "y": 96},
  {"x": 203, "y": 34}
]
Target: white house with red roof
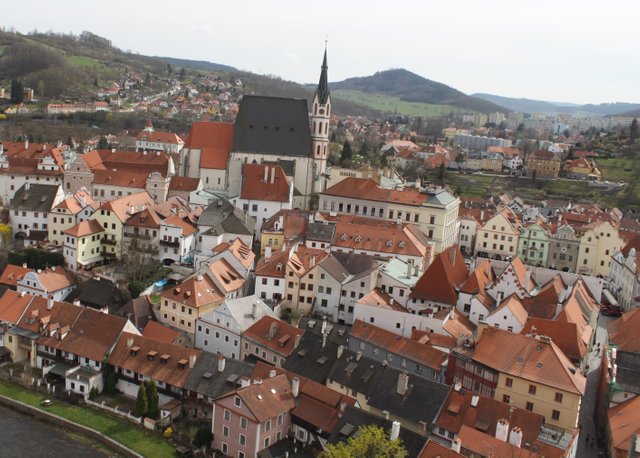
[
  {"x": 177, "y": 240},
  {"x": 150, "y": 140},
  {"x": 265, "y": 190}
]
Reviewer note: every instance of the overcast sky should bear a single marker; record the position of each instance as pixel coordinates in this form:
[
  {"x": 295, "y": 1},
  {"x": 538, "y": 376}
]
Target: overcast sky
[{"x": 560, "y": 50}]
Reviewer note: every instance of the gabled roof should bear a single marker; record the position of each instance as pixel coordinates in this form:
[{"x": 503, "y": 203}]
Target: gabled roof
[
  {"x": 479, "y": 279},
  {"x": 12, "y": 273},
  {"x": 176, "y": 221},
  {"x": 214, "y": 139},
  {"x": 38, "y": 198},
  {"x": 206, "y": 379},
  {"x": 535, "y": 359},
  {"x": 623, "y": 332},
  {"x": 55, "y": 278},
  {"x": 564, "y": 334},
  {"x": 282, "y": 340},
  {"x": 124, "y": 207},
  {"x": 184, "y": 184},
  {"x": 156, "y": 331},
  {"x": 195, "y": 291},
  {"x": 84, "y": 228},
  {"x": 170, "y": 363},
  {"x": 484, "y": 445},
  {"x": 13, "y": 305},
  {"x": 443, "y": 278},
  {"x": 224, "y": 217},
  {"x": 275, "y": 188},
  {"x": 378, "y": 298},
  {"x": 624, "y": 422},
  {"x": 402, "y": 346},
  {"x": 273, "y": 266},
  {"x": 39, "y": 316},
  {"x": 433, "y": 449},
  {"x": 273, "y": 125},
  {"x": 514, "y": 305},
  {"x": 75, "y": 202}
]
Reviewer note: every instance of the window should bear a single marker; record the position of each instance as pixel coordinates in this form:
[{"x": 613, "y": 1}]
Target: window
[
  {"x": 236, "y": 401},
  {"x": 506, "y": 398},
  {"x": 243, "y": 439},
  {"x": 508, "y": 382},
  {"x": 555, "y": 415},
  {"x": 529, "y": 406},
  {"x": 227, "y": 415},
  {"x": 243, "y": 423},
  {"x": 225, "y": 431},
  {"x": 266, "y": 442},
  {"x": 558, "y": 397},
  {"x": 532, "y": 389},
  {"x": 280, "y": 419}
]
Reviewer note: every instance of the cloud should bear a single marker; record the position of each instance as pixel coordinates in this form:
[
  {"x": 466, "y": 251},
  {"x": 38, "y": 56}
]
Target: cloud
[
  {"x": 291, "y": 56},
  {"x": 203, "y": 29}
]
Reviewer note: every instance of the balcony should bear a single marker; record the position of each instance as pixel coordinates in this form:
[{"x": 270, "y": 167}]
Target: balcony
[
  {"x": 139, "y": 236},
  {"x": 107, "y": 241},
  {"x": 108, "y": 255},
  {"x": 170, "y": 243}
]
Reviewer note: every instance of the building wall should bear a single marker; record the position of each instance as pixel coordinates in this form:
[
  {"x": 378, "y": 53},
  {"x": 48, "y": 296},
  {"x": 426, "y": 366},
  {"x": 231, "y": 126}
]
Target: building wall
[
  {"x": 497, "y": 238},
  {"x": 564, "y": 248},
  {"x": 270, "y": 288},
  {"x": 543, "y": 400},
  {"x": 11, "y": 182},
  {"x": 78, "y": 176},
  {"x": 113, "y": 229},
  {"x": 249, "y": 347},
  {"x": 181, "y": 316},
  {"x": 110, "y": 192},
  {"x": 58, "y": 221},
  {"x": 396, "y": 321},
  {"x": 79, "y": 252},
  {"x": 533, "y": 246}
]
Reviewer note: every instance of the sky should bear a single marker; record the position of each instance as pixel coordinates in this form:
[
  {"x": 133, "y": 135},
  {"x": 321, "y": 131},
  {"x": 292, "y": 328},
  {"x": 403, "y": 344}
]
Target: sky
[{"x": 559, "y": 50}]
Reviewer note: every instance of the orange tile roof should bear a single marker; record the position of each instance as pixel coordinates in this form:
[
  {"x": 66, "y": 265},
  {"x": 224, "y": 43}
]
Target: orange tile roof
[
  {"x": 240, "y": 251},
  {"x": 147, "y": 218},
  {"x": 195, "y": 292},
  {"x": 227, "y": 276},
  {"x": 38, "y": 315},
  {"x": 442, "y": 278},
  {"x": 176, "y": 221},
  {"x": 304, "y": 259},
  {"x": 169, "y": 365},
  {"x": 184, "y": 184},
  {"x": 529, "y": 358},
  {"x": 215, "y": 140},
  {"x": 367, "y": 189},
  {"x": 479, "y": 279},
  {"x": 84, "y": 228},
  {"x": 624, "y": 422},
  {"x": 274, "y": 266},
  {"x": 125, "y": 206},
  {"x": 254, "y": 187},
  {"x": 74, "y": 204},
  {"x": 12, "y": 273},
  {"x": 457, "y": 325},
  {"x": 294, "y": 223},
  {"x": 433, "y": 449},
  {"x": 623, "y": 332},
  {"x": 283, "y": 340},
  {"x": 394, "y": 343},
  {"x": 486, "y": 445},
  {"x": 267, "y": 399},
  {"x": 514, "y": 305},
  {"x": 379, "y": 298},
  {"x": 13, "y": 305},
  {"x": 55, "y": 278},
  {"x": 565, "y": 335},
  {"x": 156, "y": 331},
  {"x": 160, "y": 137}
]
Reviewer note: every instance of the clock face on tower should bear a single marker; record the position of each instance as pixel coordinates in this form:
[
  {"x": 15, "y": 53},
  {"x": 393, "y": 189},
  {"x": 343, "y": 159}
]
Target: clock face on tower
[{"x": 321, "y": 110}]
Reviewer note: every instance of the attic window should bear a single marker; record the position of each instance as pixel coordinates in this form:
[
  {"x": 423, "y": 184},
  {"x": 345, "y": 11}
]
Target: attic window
[
  {"x": 322, "y": 360},
  {"x": 358, "y": 239},
  {"x": 135, "y": 350},
  {"x": 164, "y": 358},
  {"x": 343, "y": 237},
  {"x": 401, "y": 244},
  {"x": 279, "y": 267},
  {"x": 389, "y": 243},
  {"x": 182, "y": 363},
  {"x": 151, "y": 355}
]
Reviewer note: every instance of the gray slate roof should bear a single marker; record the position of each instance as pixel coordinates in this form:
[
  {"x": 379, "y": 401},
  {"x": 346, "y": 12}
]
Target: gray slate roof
[
  {"x": 224, "y": 217},
  {"x": 272, "y": 125},
  {"x": 205, "y": 379},
  {"x": 38, "y": 198},
  {"x": 321, "y": 232}
]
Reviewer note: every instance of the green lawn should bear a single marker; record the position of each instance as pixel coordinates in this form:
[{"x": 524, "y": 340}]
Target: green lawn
[
  {"x": 120, "y": 430},
  {"x": 84, "y": 61},
  {"x": 392, "y": 104},
  {"x": 618, "y": 169}
]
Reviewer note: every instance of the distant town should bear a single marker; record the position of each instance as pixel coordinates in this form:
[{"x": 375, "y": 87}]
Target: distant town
[{"x": 280, "y": 280}]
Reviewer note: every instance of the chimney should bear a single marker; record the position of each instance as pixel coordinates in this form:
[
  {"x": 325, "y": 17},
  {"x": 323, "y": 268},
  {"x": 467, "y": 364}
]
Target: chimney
[
  {"x": 323, "y": 329},
  {"x": 24, "y": 265},
  {"x": 129, "y": 342},
  {"x": 474, "y": 400},
  {"x": 221, "y": 363},
  {"x": 192, "y": 361},
  {"x": 502, "y": 430},
  {"x": 273, "y": 175},
  {"x": 408, "y": 270},
  {"x": 385, "y": 414},
  {"x": 457, "y": 387},
  {"x": 27, "y": 186},
  {"x": 83, "y": 200},
  {"x": 273, "y": 329},
  {"x": 456, "y": 445},
  {"x": 312, "y": 261},
  {"x": 295, "y": 386},
  {"x": 272, "y": 373},
  {"x": 515, "y": 437},
  {"x": 255, "y": 311},
  {"x": 26, "y": 143},
  {"x": 324, "y": 340},
  {"x": 340, "y": 351},
  {"x": 245, "y": 381},
  {"x": 49, "y": 302},
  {"x": 403, "y": 383},
  {"x": 266, "y": 173},
  {"x": 359, "y": 355},
  {"x": 395, "y": 430}
]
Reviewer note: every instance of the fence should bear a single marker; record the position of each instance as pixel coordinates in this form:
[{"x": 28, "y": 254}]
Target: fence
[{"x": 114, "y": 410}]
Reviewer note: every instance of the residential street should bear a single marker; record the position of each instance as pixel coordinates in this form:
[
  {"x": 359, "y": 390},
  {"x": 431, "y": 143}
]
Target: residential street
[{"x": 585, "y": 449}]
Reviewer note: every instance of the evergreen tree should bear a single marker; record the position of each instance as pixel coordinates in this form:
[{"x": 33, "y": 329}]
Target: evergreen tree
[
  {"x": 169, "y": 70},
  {"x": 152, "y": 399},
  {"x": 103, "y": 143},
  {"x": 141, "y": 402},
  {"x": 17, "y": 92},
  {"x": 183, "y": 73},
  {"x": 347, "y": 153},
  {"x": 110, "y": 379},
  {"x": 442, "y": 171}
]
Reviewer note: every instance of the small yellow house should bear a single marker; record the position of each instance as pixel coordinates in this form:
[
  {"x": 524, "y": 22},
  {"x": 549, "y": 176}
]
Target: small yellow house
[
  {"x": 68, "y": 213},
  {"x": 82, "y": 245},
  {"x": 599, "y": 241}
]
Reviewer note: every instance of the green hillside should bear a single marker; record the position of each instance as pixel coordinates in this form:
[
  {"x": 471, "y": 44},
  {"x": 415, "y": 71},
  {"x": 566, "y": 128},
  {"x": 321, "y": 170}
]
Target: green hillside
[{"x": 391, "y": 104}]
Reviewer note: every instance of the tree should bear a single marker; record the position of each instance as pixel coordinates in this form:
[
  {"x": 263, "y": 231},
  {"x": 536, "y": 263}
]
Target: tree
[
  {"x": 103, "y": 143},
  {"x": 110, "y": 379},
  {"x": 152, "y": 399},
  {"x": 17, "y": 92},
  {"x": 183, "y": 73},
  {"x": 369, "y": 442},
  {"x": 634, "y": 134},
  {"x": 203, "y": 437},
  {"x": 169, "y": 70},
  {"x": 141, "y": 402},
  {"x": 346, "y": 153},
  {"x": 442, "y": 171}
]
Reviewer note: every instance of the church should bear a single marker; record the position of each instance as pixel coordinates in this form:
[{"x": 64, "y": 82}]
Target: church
[{"x": 268, "y": 130}]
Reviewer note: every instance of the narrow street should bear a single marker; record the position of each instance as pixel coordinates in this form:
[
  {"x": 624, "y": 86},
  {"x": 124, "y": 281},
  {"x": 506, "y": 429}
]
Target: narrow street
[{"x": 585, "y": 448}]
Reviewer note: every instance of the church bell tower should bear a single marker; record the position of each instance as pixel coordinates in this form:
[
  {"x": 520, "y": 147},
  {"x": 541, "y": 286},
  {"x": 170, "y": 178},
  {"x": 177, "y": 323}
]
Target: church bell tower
[{"x": 319, "y": 119}]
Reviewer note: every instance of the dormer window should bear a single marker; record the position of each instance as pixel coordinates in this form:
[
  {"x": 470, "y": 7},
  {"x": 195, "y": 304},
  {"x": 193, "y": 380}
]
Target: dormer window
[
  {"x": 135, "y": 350},
  {"x": 389, "y": 243},
  {"x": 279, "y": 267},
  {"x": 402, "y": 244},
  {"x": 358, "y": 239}
]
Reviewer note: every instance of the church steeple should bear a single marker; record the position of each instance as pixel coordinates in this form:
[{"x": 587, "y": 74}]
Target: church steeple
[{"x": 323, "y": 85}]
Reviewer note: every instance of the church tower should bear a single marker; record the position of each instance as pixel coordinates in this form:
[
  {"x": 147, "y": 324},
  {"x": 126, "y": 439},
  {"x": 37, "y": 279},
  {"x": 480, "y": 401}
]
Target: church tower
[{"x": 320, "y": 115}]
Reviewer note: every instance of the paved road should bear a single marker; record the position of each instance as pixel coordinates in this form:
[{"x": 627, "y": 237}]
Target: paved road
[{"x": 587, "y": 412}]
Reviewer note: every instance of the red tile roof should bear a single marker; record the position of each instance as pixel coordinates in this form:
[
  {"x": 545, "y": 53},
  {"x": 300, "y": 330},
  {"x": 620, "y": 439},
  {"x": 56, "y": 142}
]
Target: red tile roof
[
  {"x": 274, "y": 334},
  {"x": 624, "y": 422},
  {"x": 156, "y": 331},
  {"x": 565, "y": 335},
  {"x": 215, "y": 140},
  {"x": 195, "y": 292},
  {"x": 367, "y": 189},
  {"x": 84, "y": 228},
  {"x": 267, "y": 399},
  {"x": 176, "y": 221},
  {"x": 433, "y": 449},
  {"x": 623, "y": 332},
  {"x": 442, "y": 279},
  {"x": 485, "y": 445},
  {"x": 13, "y": 305},
  {"x": 12, "y": 273},
  {"x": 184, "y": 184},
  {"x": 124, "y": 207},
  {"x": 254, "y": 186}
]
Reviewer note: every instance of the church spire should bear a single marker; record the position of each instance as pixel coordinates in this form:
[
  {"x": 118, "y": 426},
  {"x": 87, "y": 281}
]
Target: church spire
[{"x": 323, "y": 85}]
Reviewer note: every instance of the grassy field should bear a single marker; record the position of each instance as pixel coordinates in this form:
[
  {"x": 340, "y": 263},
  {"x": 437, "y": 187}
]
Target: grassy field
[
  {"x": 120, "y": 430},
  {"x": 470, "y": 185},
  {"x": 84, "y": 61},
  {"x": 391, "y": 104},
  {"x": 619, "y": 169}
]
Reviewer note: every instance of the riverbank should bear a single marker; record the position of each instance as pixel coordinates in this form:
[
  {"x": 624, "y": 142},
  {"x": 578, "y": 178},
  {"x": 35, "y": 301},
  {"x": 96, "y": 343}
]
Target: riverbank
[{"x": 118, "y": 434}]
